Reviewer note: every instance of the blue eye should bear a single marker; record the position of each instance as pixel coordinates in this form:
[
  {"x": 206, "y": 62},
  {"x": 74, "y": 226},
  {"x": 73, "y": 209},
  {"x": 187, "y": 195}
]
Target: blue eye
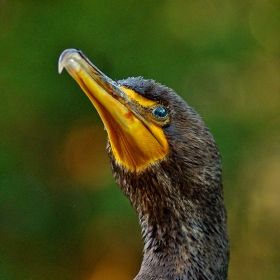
[{"x": 160, "y": 112}]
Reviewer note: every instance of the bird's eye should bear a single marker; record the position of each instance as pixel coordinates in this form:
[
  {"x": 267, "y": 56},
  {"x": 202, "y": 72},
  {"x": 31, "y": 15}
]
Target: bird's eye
[{"x": 160, "y": 112}]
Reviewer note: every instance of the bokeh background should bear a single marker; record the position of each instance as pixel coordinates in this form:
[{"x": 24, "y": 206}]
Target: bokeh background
[{"x": 62, "y": 216}]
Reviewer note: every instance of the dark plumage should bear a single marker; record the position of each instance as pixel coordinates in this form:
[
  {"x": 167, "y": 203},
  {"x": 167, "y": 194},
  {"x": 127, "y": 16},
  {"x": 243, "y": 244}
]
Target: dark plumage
[
  {"x": 179, "y": 200},
  {"x": 166, "y": 162}
]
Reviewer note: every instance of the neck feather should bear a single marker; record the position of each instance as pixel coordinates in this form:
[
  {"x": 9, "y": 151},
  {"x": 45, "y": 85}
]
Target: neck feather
[{"x": 183, "y": 222}]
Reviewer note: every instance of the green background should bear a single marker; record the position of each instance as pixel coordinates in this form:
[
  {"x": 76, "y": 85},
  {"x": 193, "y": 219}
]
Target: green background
[{"x": 62, "y": 216}]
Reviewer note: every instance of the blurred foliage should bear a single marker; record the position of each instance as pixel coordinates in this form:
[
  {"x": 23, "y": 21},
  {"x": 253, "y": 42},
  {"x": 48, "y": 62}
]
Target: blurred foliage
[{"x": 61, "y": 214}]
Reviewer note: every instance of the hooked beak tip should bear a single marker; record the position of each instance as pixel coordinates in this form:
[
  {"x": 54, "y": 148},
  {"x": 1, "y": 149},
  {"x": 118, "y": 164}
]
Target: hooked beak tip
[{"x": 64, "y": 58}]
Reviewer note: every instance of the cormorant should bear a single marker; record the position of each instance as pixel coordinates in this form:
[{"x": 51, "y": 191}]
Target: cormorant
[{"x": 166, "y": 162}]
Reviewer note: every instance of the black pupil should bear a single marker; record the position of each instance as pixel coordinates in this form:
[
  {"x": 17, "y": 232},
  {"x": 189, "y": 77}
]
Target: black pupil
[{"x": 160, "y": 112}]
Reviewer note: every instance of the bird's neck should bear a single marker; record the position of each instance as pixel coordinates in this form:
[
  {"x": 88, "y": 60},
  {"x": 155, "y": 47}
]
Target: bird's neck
[
  {"x": 186, "y": 246},
  {"x": 184, "y": 231}
]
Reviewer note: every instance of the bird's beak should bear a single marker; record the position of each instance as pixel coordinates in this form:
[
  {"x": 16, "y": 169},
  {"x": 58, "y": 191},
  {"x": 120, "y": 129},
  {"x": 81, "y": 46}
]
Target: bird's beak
[{"x": 135, "y": 142}]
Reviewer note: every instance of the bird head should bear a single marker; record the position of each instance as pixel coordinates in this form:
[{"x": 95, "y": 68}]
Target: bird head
[{"x": 146, "y": 122}]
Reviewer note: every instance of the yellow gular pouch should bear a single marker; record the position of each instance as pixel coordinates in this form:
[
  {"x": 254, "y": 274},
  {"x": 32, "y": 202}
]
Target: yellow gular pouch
[{"x": 138, "y": 144}]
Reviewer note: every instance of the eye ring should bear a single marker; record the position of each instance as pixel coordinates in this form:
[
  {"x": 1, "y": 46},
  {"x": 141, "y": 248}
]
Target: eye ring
[{"x": 160, "y": 112}]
